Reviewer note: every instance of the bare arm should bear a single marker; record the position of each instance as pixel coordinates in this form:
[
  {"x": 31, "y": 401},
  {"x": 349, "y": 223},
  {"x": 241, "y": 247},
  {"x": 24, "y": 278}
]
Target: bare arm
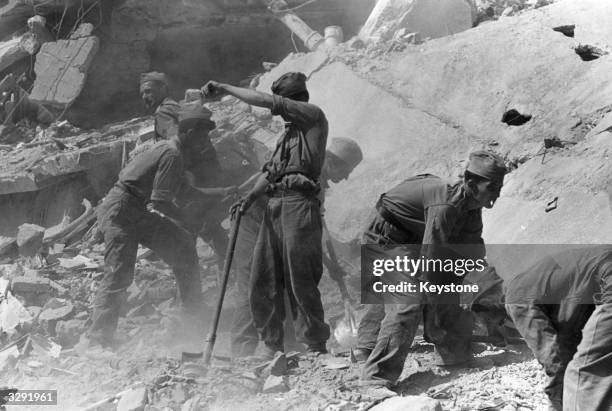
[{"x": 249, "y": 96}]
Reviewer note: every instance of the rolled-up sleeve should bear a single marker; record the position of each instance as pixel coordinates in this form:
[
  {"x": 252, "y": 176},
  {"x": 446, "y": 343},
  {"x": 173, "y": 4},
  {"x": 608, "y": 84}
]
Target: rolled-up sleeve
[
  {"x": 168, "y": 178},
  {"x": 298, "y": 112}
]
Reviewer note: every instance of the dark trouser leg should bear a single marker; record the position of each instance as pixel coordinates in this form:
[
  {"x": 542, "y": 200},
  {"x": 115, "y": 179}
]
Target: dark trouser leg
[
  {"x": 244, "y": 333},
  {"x": 303, "y": 264},
  {"x": 369, "y": 326},
  {"x": 588, "y": 378},
  {"x": 552, "y": 350},
  {"x": 449, "y": 327},
  {"x": 266, "y": 284},
  {"x": 120, "y": 251},
  {"x": 176, "y": 248},
  {"x": 397, "y": 331},
  {"x": 214, "y": 235}
]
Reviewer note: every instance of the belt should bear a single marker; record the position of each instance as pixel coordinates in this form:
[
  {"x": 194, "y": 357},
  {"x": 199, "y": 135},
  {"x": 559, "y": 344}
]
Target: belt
[
  {"x": 391, "y": 220},
  {"x": 285, "y": 192},
  {"x": 127, "y": 190}
]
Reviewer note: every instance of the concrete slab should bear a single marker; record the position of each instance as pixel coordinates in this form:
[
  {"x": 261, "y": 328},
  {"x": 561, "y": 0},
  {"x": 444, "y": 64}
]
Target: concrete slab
[{"x": 61, "y": 68}]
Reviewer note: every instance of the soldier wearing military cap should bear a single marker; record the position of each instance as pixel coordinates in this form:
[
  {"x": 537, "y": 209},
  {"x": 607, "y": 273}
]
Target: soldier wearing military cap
[
  {"x": 154, "y": 94},
  {"x": 288, "y": 252},
  {"x": 139, "y": 209},
  {"x": 341, "y": 157},
  {"x": 426, "y": 211}
]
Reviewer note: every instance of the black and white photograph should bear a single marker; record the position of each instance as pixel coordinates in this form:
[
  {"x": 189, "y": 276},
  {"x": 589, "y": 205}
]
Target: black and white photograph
[{"x": 306, "y": 205}]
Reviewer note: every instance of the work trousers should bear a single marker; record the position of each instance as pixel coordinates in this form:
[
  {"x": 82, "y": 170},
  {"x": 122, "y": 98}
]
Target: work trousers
[
  {"x": 388, "y": 330},
  {"x": 552, "y": 332},
  {"x": 125, "y": 223},
  {"x": 588, "y": 378},
  {"x": 288, "y": 256},
  {"x": 244, "y": 336}
]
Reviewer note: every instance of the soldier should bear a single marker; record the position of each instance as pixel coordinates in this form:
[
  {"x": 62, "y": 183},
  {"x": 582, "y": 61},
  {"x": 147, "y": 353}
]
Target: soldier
[
  {"x": 562, "y": 306},
  {"x": 201, "y": 215},
  {"x": 288, "y": 253},
  {"x": 154, "y": 94},
  {"x": 426, "y": 210},
  {"x": 342, "y": 156},
  {"x": 139, "y": 209}
]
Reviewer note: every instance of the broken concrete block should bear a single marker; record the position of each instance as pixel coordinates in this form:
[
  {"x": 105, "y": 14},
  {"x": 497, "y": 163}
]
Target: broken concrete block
[
  {"x": 56, "y": 309},
  {"x": 410, "y": 402},
  {"x": 12, "y": 314},
  {"x": 69, "y": 332},
  {"x": 278, "y": 366},
  {"x": 133, "y": 400},
  {"x": 34, "y": 285},
  {"x": 431, "y": 19},
  {"x": 8, "y": 245},
  {"x": 30, "y": 239},
  {"x": 61, "y": 67},
  {"x": 275, "y": 384},
  {"x": 84, "y": 30}
]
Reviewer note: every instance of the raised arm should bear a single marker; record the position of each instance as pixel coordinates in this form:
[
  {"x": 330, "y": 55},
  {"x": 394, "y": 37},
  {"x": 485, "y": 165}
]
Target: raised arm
[{"x": 249, "y": 96}]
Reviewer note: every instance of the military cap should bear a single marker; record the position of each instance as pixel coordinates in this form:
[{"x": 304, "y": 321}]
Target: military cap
[
  {"x": 153, "y": 76},
  {"x": 289, "y": 84},
  {"x": 487, "y": 165}
]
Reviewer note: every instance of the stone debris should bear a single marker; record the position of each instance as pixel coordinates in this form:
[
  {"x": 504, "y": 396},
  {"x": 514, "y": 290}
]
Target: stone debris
[
  {"x": 133, "y": 400},
  {"x": 410, "y": 402},
  {"x": 275, "y": 384},
  {"x": 431, "y": 19},
  {"x": 56, "y": 309},
  {"x": 30, "y": 239},
  {"x": 12, "y": 314},
  {"x": 61, "y": 69}
]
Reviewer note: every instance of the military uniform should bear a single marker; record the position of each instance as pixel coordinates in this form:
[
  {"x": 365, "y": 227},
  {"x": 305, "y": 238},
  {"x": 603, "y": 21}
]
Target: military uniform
[
  {"x": 200, "y": 216},
  {"x": 154, "y": 175},
  {"x": 421, "y": 210},
  {"x": 562, "y": 307},
  {"x": 288, "y": 252}
]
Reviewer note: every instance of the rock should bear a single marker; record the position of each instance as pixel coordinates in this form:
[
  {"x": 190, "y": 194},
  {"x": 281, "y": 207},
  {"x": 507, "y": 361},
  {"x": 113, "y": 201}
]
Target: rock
[
  {"x": 356, "y": 43},
  {"x": 278, "y": 366},
  {"x": 34, "y": 285},
  {"x": 12, "y": 314},
  {"x": 56, "y": 309},
  {"x": 410, "y": 402},
  {"x": 8, "y": 245},
  {"x": 431, "y": 19},
  {"x": 30, "y": 239},
  {"x": 69, "y": 332},
  {"x": 508, "y": 11},
  {"x": 133, "y": 400},
  {"x": 84, "y": 30},
  {"x": 61, "y": 68},
  {"x": 275, "y": 384}
]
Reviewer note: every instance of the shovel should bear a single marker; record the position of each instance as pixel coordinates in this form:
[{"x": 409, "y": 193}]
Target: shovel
[
  {"x": 212, "y": 336},
  {"x": 346, "y": 329}
]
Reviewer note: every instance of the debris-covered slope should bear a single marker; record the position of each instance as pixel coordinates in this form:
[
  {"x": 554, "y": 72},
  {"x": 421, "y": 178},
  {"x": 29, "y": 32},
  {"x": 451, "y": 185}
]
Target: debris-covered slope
[{"x": 425, "y": 107}]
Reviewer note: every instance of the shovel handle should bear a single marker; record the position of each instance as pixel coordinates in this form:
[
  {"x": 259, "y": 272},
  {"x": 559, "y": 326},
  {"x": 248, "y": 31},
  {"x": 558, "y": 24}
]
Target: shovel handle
[{"x": 212, "y": 336}]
